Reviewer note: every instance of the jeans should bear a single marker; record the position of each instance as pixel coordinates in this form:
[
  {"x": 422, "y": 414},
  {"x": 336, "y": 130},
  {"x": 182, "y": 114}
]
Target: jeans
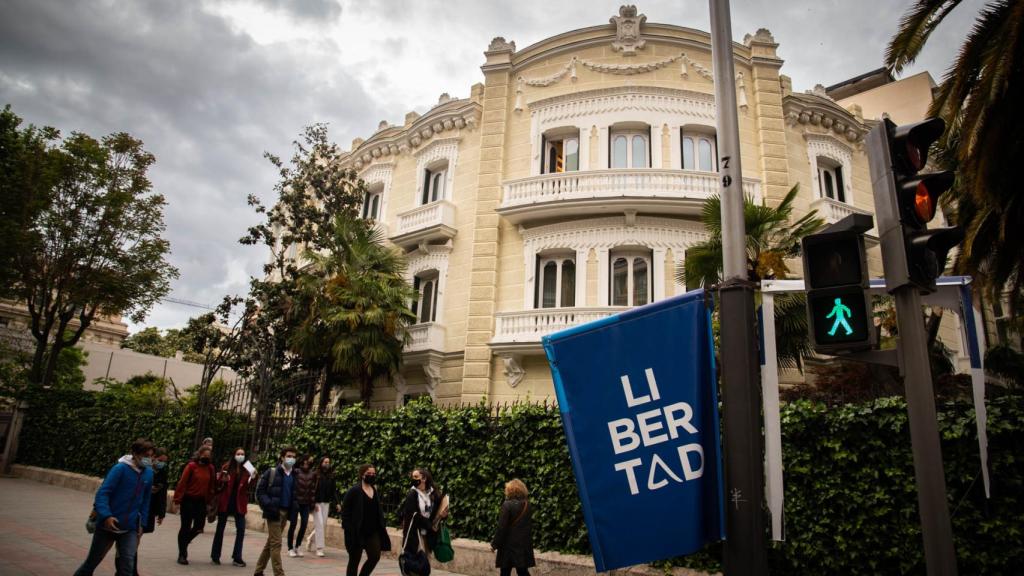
[
  {"x": 298, "y": 511},
  {"x": 372, "y": 547},
  {"x": 102, "y": 540},
  {"x": 193, "y": 518},
  {"x": 272, "y": 549},
  {"x": 218, "y": 537},
  {"x": 320, "y": 516}
]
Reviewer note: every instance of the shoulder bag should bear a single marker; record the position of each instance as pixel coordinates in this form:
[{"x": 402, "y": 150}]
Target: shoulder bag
[{"x": 413, "y": 563}]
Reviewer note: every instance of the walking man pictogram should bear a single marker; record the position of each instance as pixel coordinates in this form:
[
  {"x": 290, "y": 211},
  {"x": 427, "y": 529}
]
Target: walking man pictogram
[{"x": 841, "y": 312}]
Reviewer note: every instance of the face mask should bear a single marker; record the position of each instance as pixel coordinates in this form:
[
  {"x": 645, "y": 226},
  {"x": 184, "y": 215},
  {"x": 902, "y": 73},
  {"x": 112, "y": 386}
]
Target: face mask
[
  {"x": 289, "y": 462},
  {"x": 204, "y": 460},
  {"x": 326, "y": 466},
  {"x": 414, "y": 483},
  {"x": 160, "y": 464},
  {"x": 239, "y": 458},
  {"x": 147, "y": 462},
  {"x": 371, "y": 479}
]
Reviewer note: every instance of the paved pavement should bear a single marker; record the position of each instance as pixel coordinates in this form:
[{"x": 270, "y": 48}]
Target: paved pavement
[{"x": 42, "y": 532}]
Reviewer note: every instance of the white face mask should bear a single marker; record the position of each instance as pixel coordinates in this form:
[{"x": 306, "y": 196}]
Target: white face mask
[{"x": 239, "y": 458}]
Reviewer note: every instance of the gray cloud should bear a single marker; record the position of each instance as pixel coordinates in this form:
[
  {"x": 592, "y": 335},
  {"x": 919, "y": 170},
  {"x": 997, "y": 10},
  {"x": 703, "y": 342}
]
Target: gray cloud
[{"x": 208, "y": 97}]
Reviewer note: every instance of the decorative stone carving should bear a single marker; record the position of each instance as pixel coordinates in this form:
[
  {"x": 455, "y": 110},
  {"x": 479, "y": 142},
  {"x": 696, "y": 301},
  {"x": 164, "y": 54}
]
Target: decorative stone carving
[
  {"x": 444, "y": 99},
  {"x": 741, "y": 92},
  {"x": 514, "y": 371},
  {"x": 762, "y": 35},
  {"x": 518, "y": 107},
  {"x": 829, "y": 147},
  {"x": 498, "y": 44},
  {"x": 660, "y": 105},
  {"x": 401, "y": 388},
  {"x": 629, "y": 69},
  {"x": 428, "y": 257},
  {"x": 432, "y": 370},
  {"x": 610, "y": 232},
  {"x": 627, "y": 30}
]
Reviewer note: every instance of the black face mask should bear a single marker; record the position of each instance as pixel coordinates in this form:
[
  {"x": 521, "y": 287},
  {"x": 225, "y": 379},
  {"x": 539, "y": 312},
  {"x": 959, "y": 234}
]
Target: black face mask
[
  {"x": 370, "y": 479},
  {"x": 415, "y": 483},
  {"x": 204, "y": 460}
]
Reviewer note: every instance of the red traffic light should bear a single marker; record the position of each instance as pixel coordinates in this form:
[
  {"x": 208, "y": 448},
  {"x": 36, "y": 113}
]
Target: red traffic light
[
  {"x": 920, "y": 197},
  {"x": 912, "y": 142}
]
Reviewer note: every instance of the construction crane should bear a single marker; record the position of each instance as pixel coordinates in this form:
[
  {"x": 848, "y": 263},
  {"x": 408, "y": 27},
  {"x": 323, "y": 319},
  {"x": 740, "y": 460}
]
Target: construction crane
[{"x": 188, "y": 303}]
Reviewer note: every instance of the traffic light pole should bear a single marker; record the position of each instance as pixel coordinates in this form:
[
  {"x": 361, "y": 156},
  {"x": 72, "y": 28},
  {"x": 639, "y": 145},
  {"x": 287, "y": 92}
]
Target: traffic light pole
[
  {"x": 741, "y": 406},
  {"x": 940, "y": 557}
]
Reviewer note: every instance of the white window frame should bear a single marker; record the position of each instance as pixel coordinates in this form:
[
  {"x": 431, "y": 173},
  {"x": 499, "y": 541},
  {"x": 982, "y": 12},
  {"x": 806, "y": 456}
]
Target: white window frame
[
  {"x": 629, "y": 135},
  {"x": 371, "y": 195},
  {"x": 630, "y": 256},
  {"x": 835, "y": 153},
  {"x": 420, "y": 281},
  {"x": 834, "y": 170},
  {"x": 435, "y": 180},
  {"x": 696, "y": 136},
  {"x": 553, "y": 140},
  {"x": 559, "y": 261}
]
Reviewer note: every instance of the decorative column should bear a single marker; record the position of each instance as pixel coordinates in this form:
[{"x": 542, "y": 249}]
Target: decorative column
[
  {"x": 769, "y": 118},
  {"x": 602, "y": 277},
  {"x": 660, "y": 255},
  {"x": 582, "y": 255},
  {"x": 476, "y": 370}
]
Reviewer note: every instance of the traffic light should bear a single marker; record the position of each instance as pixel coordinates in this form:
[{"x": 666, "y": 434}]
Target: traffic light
[
  {"x": 905, "y": 202},
  {"x": 839, "y": 312}
]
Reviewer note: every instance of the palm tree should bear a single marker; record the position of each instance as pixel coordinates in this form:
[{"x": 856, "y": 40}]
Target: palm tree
[
  {"x": 771, "y": 239},
  {"x": 353, "y": 308},
  {"x": 979, "y": 98}
]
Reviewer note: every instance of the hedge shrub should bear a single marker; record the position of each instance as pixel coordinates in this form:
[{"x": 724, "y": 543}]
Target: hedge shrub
[{"x": 851, "y": 504}]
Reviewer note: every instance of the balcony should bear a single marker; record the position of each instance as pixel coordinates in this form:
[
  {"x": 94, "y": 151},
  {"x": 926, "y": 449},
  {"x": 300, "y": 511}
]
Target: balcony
[
  {"x": 520, "y": 332},
  {"x": 833, "y": 211},
  {"x": 434, "y": 221},
  {"x": 425, "y": 337},
  {"x": 606, "y": 192}
]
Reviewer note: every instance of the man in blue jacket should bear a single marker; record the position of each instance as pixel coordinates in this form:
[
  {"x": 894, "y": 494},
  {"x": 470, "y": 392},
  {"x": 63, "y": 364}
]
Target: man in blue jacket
[
  {"x": 275, "y": 494},
  {"x": 122, "y": 506}
]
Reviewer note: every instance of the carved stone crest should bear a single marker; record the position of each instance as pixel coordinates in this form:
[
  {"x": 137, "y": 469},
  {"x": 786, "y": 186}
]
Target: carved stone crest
[{"x": 627, "y": 30}]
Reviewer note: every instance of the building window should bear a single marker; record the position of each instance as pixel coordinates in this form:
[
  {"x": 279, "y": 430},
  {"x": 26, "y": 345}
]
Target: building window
[
  {"x": 561, "y": 154},
  {"x": 630, "y": 149},
  {"x": 830, "y": 179},
  {"x": 700, "y": 152},
  {"x": 631, "y": 278},
  {"x": 371, "y": 205},
  {"x": 425, "y": 305},
  {"x": 434, "y": 183},
  {"x": 556, "y": 286}
]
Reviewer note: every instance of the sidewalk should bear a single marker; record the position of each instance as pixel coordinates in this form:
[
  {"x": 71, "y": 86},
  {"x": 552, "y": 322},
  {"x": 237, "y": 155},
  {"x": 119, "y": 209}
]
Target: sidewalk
[{"x": 43, "y": 533}]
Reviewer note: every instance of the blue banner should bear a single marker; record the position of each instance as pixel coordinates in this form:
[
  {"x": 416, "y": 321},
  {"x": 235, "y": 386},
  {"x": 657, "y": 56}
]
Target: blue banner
[{"x": 640, "y": 409}]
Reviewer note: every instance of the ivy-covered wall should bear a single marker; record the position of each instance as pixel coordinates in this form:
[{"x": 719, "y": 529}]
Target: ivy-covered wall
[{"x": 851, "y": 505}]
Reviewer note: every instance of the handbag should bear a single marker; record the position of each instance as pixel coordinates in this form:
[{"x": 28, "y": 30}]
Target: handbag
[
  {"x": 413, "y": 563},
  {"x": 443, "y": 550}
]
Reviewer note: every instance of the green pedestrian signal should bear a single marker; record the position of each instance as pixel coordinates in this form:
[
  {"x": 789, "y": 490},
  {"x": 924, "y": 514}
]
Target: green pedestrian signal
[{"x": 836, "y": 279}]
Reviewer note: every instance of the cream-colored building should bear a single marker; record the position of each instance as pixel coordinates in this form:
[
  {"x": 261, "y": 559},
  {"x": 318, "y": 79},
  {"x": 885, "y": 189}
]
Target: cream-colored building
[{"x": 569, "y": 184}]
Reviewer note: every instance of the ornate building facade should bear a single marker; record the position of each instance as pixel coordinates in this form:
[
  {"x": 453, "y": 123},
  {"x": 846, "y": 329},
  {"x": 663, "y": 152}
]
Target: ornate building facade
[{"x": 569, "y": 184}]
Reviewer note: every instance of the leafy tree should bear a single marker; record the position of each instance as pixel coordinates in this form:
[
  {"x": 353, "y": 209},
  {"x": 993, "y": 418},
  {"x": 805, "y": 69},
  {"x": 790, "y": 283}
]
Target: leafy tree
[
  {"x": 771, "y": 239},
  {"x": 979, "y": 98},
  {"x": 352, "y": 306},
  {"x": 87, "y": 232}
]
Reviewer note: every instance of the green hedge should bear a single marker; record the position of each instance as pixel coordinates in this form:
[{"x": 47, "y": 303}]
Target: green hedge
[{"x": 851, "y": 505}]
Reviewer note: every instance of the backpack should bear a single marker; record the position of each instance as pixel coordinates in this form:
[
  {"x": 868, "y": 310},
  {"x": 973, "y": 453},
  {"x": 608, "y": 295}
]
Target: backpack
[{"x": 271, "y": 476}]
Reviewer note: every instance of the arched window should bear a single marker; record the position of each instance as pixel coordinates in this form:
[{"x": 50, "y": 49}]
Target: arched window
[
  {"x": 631, "y": 276},
  {"x": 700, "y": 151},
  {"x": 434, "y": 183},
  {"x": 630, "y": 149},
  {"x": 425, "y": 304},
  {"x": 371, "y": 204},
  {"x": 561, "y": 152},
  {"x": 830, "y": 179},
  {"x": 556, "y": 286}
]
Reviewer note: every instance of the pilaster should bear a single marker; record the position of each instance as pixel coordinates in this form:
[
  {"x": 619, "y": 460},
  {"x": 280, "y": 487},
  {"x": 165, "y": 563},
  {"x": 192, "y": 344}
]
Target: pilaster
[{"x": 767, "y": 91}]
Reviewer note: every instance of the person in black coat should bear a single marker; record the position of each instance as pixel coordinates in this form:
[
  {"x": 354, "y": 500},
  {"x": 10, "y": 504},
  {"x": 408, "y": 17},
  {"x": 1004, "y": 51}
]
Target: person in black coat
[
  {"x": 362, "y": 520},
  {"x": 513, "y": 538},
  {"x": 421, "y": 507}
]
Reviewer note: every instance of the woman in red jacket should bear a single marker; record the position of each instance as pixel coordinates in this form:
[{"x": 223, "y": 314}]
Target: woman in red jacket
[
  {"x": 195, "y": 489},
  {"x": 233, "y": 483}
]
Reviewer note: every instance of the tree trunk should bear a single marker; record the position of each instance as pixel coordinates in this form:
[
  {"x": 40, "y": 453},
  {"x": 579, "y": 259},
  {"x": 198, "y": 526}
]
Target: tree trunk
[{"x": 51, "y": 362}]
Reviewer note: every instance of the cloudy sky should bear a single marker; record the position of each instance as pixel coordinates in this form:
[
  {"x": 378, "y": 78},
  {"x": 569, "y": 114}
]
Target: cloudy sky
[{"x": 210, "y": 85}]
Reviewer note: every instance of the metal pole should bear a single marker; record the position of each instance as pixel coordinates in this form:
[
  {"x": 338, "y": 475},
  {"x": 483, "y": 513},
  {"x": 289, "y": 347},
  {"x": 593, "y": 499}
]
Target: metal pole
[
  {"x": 741, "y": 403},
  {"x": 939, "y": 554}
]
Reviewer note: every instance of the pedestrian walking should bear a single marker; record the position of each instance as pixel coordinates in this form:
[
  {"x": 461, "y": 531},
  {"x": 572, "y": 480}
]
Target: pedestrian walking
[
  {"x": 233, "y": 481},
  {"x": 275, "y": 492},
  {"x": 513, "y": 538},
  {"x": 158, "y": 500},
  {"x": 362, "y": 520},
  {"x": 121, "y": 506},
  {"x": 305, "y": 495},
  {"x": 421, "y": 508},
  {"x": 326, "y": 499},
  {"x": 195, "y": 490}
]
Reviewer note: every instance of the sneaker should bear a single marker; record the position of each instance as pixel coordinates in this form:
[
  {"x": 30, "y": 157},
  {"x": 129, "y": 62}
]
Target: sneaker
[
  {"x": 182, "y": 560},
  {"x": 291, "y": 552},
  {"x": 320, "y": 553},
  {"x": 238, "y": 563},
  {"x": 298, "y": 552},
  {"x": 216, "y": 561}
]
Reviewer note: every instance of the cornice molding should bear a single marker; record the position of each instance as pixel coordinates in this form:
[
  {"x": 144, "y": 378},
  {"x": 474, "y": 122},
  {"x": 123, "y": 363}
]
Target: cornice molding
[
  {"x": 610, "y": 232},
  {"x": 428, "y": 257},
  {"x": 814, "y": 110},
  {"x": 685, "y": 103}
]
